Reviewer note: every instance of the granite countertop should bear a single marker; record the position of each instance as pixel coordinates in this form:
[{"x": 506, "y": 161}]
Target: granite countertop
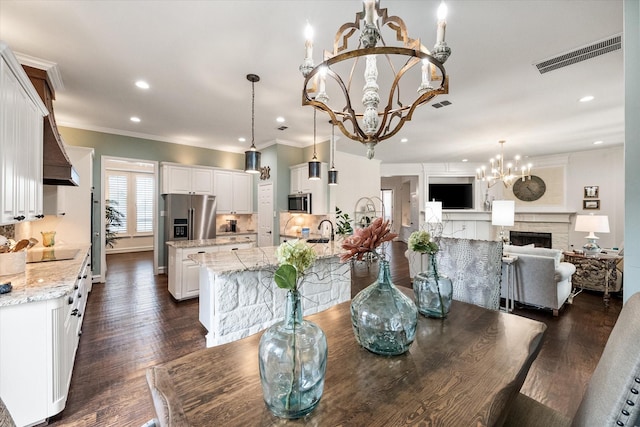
[
  {"x": 44, "y": 280},
  {"x": 255, "y": 258},
  {"x": 229, "y": 239}
]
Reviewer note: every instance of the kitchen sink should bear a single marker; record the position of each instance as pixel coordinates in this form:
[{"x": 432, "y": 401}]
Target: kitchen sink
[{"x": 322, "y": 240}]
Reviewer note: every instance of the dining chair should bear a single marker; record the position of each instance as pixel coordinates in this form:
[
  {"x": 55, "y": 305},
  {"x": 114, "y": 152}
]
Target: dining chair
[
  {"x": 474, "y": 267},
  {"x": 612, "y": 396},
  {"x": 5, "y": 417}
]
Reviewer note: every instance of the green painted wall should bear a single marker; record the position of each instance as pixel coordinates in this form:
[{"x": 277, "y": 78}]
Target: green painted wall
[{"x": 278, "y": 157}]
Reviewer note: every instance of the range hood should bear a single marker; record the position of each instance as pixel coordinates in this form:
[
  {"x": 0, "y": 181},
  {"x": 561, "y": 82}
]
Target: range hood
[{"x": 56, "y": 166}]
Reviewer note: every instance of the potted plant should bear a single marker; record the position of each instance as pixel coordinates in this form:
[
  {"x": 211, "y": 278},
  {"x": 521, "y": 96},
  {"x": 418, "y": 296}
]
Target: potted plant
[
  {"x": 343, "y": 223},
  {"x": 113, "y": 218}
]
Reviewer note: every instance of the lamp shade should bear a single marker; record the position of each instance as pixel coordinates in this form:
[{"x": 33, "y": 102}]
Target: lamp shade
[
  {"x": 314, "y": 169},
  {"x": 592, "y": 223},
  {"x": 252, "y": 161},
  {"x": 333, "y": 177},
  {"x": 433, "y": 212},
  {"x": 503, "y": 212}
]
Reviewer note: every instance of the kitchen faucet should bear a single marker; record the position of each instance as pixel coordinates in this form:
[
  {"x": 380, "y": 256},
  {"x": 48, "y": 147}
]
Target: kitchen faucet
[{"x": 330, "y": 223}]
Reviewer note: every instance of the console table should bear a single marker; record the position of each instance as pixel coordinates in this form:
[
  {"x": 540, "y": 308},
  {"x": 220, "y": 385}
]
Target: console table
[{"x": 596, "y": 273}]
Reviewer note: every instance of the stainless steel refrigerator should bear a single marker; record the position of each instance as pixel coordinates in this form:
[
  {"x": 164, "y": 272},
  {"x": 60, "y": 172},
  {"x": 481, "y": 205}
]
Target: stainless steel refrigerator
[{"x": 190, "y": 217}]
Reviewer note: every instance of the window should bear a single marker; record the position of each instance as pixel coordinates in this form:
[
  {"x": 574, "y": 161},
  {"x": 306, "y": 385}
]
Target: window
[{"x": 132, "y": 193}]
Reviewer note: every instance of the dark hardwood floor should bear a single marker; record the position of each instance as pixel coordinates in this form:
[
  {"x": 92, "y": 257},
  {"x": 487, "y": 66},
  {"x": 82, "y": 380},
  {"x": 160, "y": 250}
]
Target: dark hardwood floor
[{"x": 131, "y": 323}]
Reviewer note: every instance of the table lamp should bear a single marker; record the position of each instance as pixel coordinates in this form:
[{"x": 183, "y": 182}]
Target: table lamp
[
  {"x": 433, "y": 212},
  {"x": 503, "y": 214},
  {"x": 592, "y": 224}
]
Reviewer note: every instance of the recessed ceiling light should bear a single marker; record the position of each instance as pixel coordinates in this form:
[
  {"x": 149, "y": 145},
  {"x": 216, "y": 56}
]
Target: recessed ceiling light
[
  {"x": 465, "y": 160},
  {"x": 241, "y": 139},
  {"x": 586, "y": 98},
  {"x": 142, "y": 84},
  {"x": 280, "y": 119},
  {"x": 404, "y": 140},
  {"x": 135, "y": 119},
  {"x": 598, "y": 142}
]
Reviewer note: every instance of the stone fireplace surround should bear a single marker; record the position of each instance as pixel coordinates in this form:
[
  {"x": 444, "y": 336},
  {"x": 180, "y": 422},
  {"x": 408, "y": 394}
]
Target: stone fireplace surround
[{"x": 477, "y": 225}]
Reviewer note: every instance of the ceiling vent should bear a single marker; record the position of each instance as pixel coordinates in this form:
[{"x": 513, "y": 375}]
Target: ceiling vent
[
  {"x": 441, "y": 104},
  {"x": 601, "y": 47},
  {"x": 283, "y": 127}
]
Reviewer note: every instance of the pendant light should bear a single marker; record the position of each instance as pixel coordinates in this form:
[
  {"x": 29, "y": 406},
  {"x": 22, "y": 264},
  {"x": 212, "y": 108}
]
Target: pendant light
[
  {"x": 252, "y": 157},
  {"x": 314, "y": 164},
  {"x": 333, "y": 173}
]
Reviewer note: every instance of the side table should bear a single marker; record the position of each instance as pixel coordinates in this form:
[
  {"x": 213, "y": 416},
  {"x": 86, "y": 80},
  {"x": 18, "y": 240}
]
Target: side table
[
  {"x": 597, "y": 273},
  {"x": 509, "y": 263}
]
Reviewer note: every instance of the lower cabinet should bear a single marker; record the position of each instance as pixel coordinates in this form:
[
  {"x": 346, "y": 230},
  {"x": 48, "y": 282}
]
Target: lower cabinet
[
  {"x": 38, "y": 343},
  {"x": 184, "y": 274}
]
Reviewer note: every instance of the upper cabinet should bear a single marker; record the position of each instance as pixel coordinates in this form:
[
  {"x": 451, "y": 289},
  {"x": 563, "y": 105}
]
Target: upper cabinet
[
  {"x": 21, "y": 112},
  {"x": 233, "y": 191},
  {"x": 177, "y": 179},
  {"x": 300, "y": 183}
]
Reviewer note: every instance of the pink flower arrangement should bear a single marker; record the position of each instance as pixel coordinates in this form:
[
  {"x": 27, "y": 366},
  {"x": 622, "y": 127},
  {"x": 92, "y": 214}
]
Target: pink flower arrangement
[{"x": 367, "y": 239}]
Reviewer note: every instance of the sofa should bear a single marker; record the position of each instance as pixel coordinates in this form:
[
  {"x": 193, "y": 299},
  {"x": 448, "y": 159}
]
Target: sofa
[{"x": 542, "y": 279}]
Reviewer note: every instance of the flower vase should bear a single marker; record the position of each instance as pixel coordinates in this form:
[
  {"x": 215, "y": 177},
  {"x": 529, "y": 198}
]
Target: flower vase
[
  {"x": 433, "y": 291},
  {"x": 383, "y": 318},
  {"x": 293, "y": 359}
]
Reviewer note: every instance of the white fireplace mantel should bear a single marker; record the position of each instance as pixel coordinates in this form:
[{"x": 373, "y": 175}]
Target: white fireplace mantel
[{"x": 472, "y": 224}]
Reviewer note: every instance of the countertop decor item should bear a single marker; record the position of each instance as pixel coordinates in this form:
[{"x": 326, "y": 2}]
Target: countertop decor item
[
  {"x": 383, "y": 318},
  {"x": 433, "y": 291},
  {"x": 48, "y": 238},
  {"x": 293, "y": 352}
]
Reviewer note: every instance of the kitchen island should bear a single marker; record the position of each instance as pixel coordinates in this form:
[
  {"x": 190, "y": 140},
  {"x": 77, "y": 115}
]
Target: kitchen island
[
  {"x": 238, "y": 296},
  {"x": 40, "y": 326},
  {"x": 184, "y": 276}
]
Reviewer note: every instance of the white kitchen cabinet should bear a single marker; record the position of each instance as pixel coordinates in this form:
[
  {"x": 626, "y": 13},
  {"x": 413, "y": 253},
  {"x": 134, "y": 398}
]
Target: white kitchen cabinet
[
  {"x": 318, "y": 188},
  {"x": 54, "y": 201},
  {"x": 21, "y": 129},
  {"x": 233, "y": 191},
  {"x": 179, "y": 179},
  {"x": 184, "y": 274},
  {"x": 39, "y": 342}
]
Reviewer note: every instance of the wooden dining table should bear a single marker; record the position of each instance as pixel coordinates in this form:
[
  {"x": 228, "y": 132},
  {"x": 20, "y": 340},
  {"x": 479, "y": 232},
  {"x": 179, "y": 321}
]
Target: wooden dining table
[{"x": 464, "y": 370}]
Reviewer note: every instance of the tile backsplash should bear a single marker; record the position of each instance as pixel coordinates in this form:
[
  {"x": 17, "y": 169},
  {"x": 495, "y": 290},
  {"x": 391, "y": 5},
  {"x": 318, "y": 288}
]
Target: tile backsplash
[
  {"x": 8, "y": 231},
  {"x": 245, "y": 223}
]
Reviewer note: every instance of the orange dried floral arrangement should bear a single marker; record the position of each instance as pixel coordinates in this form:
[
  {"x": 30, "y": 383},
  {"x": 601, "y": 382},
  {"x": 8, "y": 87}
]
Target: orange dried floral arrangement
[{"x": 365, "y": 240}]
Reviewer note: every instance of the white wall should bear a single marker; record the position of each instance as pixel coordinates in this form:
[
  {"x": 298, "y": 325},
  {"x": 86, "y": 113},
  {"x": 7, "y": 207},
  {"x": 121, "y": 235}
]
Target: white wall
[
  {"x": 571, "y": 172},
  {"x": 357, "y": 177},
  {"x": 632, "y": 147}
]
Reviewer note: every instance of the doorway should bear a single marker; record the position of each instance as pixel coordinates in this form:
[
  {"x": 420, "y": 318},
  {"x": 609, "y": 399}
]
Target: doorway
[
  {"x": 265, "y": 214},
  {"x": 131, "y": 183}
]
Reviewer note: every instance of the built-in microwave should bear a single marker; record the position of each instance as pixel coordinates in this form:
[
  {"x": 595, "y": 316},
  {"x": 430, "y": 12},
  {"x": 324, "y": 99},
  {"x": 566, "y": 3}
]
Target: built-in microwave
[{"x": 300, "y": 203}]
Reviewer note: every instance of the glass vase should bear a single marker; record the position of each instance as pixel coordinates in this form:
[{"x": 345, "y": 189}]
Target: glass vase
[
  {"x": 383, "y": 318},
  {"x": 293, "y": 359},
  {"x": 433, "y": 291}
]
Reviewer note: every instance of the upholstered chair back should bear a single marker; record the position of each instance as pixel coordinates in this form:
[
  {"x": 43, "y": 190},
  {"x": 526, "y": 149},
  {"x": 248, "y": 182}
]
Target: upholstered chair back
[
  {"x": 474, "y": 267},
  {"x": 612, "y": 397},
  {"x": 5, "y": 416}
]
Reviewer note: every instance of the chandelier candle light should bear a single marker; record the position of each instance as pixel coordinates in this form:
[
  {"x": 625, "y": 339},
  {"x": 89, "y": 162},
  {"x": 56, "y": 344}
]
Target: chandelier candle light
[
  {"x": 370, "y": 125},
  {"x": 507, "y": 173}
]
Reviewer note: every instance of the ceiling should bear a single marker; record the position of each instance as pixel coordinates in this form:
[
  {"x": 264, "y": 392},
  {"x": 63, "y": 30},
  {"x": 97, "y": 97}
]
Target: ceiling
[{"x": 196, "y": 55}]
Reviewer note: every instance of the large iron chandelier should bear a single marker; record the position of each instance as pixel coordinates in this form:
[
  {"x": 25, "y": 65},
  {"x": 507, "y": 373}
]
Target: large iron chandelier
[
  {"x": 501, "y": 171},
  {"x": 371, "y": 125}
]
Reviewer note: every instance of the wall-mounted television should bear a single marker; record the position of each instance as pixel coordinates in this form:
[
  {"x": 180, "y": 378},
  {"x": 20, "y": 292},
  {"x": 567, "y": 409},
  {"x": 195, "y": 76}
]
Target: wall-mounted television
[{"x": 452, "y": 196}]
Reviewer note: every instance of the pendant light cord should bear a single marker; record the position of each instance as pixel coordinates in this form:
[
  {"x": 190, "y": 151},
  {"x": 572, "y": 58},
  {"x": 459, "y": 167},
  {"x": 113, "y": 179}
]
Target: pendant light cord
[
  {"x": 253, "y": 114},
  {"x": 314, "y": 135},
  {"x": 333, "y": 146}
]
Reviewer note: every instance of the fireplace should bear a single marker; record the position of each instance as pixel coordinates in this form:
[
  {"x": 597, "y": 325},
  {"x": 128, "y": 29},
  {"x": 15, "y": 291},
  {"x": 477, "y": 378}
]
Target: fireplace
[{"x": 522, "y": 238}]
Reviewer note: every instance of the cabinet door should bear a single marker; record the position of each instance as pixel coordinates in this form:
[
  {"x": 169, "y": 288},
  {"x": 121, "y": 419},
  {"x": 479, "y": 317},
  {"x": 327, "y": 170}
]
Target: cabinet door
[
  {"x": 242, "y": 193},
  {"x": 223, "y": 190},
  {"x": 190, "y": 279},
  {"x": 33, "y": 146},
  {"x": 176, "y": 179},
  {"x": 202, "y": 181},
  {"x": 9, "y": 114}
]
